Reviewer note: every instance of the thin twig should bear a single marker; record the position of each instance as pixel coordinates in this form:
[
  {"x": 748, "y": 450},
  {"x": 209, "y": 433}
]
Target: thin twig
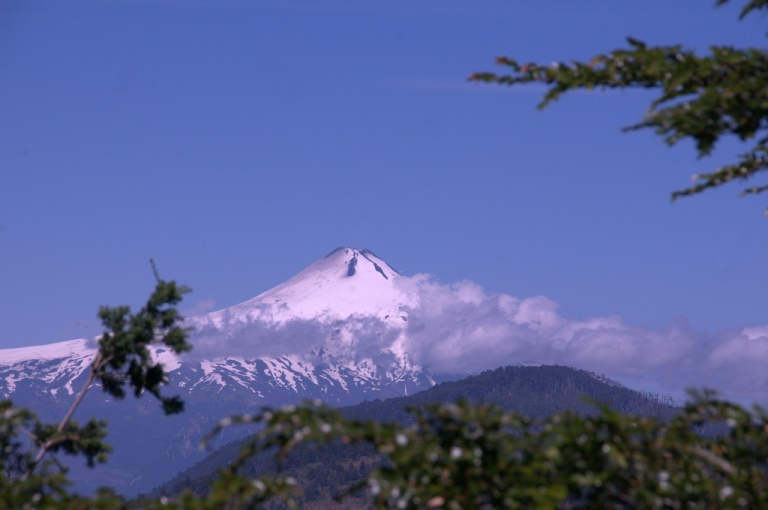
[{"x": 96, "y": 365}]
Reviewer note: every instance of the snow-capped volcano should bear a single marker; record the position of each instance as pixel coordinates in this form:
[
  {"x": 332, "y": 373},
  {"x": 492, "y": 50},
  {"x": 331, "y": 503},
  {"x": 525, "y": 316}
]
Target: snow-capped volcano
[
  {"x": 339, "y": 322},
  {"x": 346, "y": 282},
  {"x": 334, "y": 332},
  {"x": 340, "y": 306}
]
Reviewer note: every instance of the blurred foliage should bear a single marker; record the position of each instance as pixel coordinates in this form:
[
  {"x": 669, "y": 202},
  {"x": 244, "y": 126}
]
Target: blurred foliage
[
  {"x": 702, "y": 97},
  {"x": 124, "y": 358},
  {"x": 462, "y": 456},
  {"x": 324, "y": 471},
  {"x": 32, "y": 477}
]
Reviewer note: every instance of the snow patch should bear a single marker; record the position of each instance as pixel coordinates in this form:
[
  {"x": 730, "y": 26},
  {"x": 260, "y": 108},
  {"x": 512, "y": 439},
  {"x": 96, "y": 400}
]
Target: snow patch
[{"x": 69, "y": 349}]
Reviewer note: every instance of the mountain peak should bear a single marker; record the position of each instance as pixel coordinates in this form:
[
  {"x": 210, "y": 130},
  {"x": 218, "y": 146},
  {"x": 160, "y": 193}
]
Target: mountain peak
[
  {"x": 348, "y": 281},
  {"x": 350, "y": 258}
]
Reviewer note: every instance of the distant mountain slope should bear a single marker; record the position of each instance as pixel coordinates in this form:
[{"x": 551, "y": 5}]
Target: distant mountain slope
[
  {"x": 533, "y": 391},
  {"x": 334, "y": 332}
]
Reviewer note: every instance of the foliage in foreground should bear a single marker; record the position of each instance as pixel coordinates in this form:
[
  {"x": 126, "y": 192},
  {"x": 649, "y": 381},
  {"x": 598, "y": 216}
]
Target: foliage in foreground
[
  {"x": 32, "y": 477},
  {"x": 463, "y": 456},
  {"x": 321, "y": 472},
  {"x": 702, "y": 97},
  {"x": 477, "y": 456}
]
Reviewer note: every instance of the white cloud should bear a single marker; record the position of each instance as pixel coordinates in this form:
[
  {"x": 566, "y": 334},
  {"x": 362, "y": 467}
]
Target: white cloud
[
  {"x": 254, "y": 339},
  {"x": 459, "y": 328},
  {"x": 740, "y": 360},
  {"x": 200, "y": 308}
]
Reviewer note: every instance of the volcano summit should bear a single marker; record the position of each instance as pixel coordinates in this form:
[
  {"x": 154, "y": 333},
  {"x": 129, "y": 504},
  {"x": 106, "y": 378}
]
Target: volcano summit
[{"x": 344, "y": 284}]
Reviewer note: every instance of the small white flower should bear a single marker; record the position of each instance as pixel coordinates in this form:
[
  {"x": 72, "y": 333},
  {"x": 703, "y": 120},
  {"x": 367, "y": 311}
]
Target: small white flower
[{"x": 663, "y": 479}]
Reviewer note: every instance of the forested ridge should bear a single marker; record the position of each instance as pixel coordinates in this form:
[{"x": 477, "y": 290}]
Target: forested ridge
[{"x": 324, "y": 472}]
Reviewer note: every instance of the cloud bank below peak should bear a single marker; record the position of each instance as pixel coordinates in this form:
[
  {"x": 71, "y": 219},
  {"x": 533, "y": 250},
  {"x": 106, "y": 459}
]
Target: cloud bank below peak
[
  {"x": 459, "y": 328},
  {"x": 459, "y": 325}
]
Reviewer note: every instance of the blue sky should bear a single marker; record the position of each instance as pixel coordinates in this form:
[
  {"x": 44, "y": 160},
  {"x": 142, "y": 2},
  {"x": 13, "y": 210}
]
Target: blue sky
[{"x": 238, "y": 141}]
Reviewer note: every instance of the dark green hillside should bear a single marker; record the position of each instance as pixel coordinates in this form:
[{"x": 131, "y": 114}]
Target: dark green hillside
[{"x": 533, "y": 391}]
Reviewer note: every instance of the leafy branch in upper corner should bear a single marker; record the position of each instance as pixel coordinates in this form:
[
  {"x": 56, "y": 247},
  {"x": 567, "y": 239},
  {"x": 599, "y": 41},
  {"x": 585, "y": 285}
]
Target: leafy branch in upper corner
[{"x": 703, "y": 98}]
